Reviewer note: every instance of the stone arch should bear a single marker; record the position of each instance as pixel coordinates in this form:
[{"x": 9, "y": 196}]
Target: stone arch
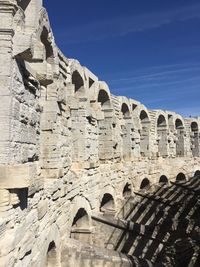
[
  {"x": 50, "y": 250},
  {"x": 179, "y": 137},
  {"x": 104, "y": 99},
  {"x": 80, "y": 229},
  {"x": 126, "y": 128},
  {"x": 110, "y": 192},
  {"x": 197, "y": 173},
  {"x": 44, "y": 37},
  {"x": 144, "y": 133},
  {"x": 52, "y": 257},
  {"x": 180, "y": 177},
  {"x": 125, "y": 111},
  {"x": 163, "y": 179},
  {"x": 194, "y": 139},
  {"x": 77, "y": 203},
  {"x": 107, "y": 203},
  {"x": 77, "y": 81},
  {"x": 105, "y": 127},
  {"x": 80, "y": 222},
  {"x": 145, "y": 183},
  {"x": 162, "y": 136}
]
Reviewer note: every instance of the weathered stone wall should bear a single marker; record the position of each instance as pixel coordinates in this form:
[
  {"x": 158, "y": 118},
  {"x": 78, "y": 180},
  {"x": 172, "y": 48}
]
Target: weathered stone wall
[{"x": 66, "y": 142}]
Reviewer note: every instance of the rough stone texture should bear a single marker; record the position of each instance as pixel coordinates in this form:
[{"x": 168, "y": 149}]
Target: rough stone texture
[{"x": 68, "y": 147}]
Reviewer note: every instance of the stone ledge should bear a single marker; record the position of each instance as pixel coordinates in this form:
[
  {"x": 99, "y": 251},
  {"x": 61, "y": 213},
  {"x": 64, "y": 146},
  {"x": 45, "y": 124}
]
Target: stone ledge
[{"x": 15, "y": 176}]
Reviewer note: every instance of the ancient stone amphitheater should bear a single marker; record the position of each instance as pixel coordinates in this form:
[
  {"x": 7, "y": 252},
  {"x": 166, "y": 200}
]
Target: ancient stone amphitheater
[{"x": 87, "y": 178}]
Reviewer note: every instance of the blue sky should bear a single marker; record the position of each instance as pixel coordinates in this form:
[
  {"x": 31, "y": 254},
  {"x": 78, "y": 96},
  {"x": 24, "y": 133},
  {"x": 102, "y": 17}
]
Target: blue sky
[{"x": 146, "y": 50}]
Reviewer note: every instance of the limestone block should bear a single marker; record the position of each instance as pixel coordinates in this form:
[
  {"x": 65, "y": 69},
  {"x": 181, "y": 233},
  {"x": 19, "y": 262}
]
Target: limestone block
[{"x": 14, "y": 176}]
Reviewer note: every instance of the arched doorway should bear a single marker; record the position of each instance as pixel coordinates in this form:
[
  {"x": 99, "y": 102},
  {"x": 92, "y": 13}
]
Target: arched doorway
[
  {"x": 194, "y": 138},
  {"x": 77, "y": 81},
  {"x": 180, "y": 138},
  {"x": 162, "y": 136},
  {"x": 163, "y": 179},
  {"x": 180, "y": 177},
  {"x": 105, "y": 127},
  {"x": 81, "y": 226},
  {"x": 145, "y": 184},
  {"x": 126, "y": 132},
  {"x": 52, "y": 258},
  {"x": 144, "y": 133},
  {"x": 107, "y": 204}
]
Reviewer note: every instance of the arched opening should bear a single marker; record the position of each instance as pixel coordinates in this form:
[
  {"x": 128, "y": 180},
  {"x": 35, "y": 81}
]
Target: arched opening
[
  {"x": 107, "y": 204},
  {"x": 145, "y": 184},
  {"x": 52, "y": 259},
  {"x": 180, "y": 138},
  {"x": 194, "y": 138},
  {"x": 144, "y": 133},
  {"x": 162, "y": 136},
  {"x": 47, "y": 44},
  {"x": 77, "y": 81},
  {"x": 81, "y": 226},
  {"x": 163, "y": 179},
  {"x": 180, "y": 177},
  {"x": 125, "y": 111},
  {"x": 106, "y": 149},
  {"x": 104, "y": 99},
  {"x": 127, "y": 192},
  {"x": 126, "y": 132},
  {"x": 197, "y": 174}
]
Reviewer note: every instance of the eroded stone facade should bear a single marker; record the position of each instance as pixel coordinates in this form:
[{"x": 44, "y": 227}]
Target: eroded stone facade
[{"x": 71, "y": 151}]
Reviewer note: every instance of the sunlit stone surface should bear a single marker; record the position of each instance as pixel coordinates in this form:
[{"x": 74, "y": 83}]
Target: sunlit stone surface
[{"x": 87, "y": 178}]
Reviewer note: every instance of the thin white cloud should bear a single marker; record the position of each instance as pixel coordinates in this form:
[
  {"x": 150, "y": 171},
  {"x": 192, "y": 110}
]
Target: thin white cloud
[
  {"x": 167, "y": 86},
  {"x": 121, "y": 26},
  {"x": 157, "y": 75}
]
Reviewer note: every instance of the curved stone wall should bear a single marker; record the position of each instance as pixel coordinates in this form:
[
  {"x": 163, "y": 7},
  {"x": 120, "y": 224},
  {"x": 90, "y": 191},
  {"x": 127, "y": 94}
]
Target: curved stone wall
[{"x": 68, "y": 147}]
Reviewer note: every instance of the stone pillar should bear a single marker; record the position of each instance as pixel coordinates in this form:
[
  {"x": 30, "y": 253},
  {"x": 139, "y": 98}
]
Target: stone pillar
[
  {"x": 106, "y": 136},
  {"x": 7, "y": 12}
]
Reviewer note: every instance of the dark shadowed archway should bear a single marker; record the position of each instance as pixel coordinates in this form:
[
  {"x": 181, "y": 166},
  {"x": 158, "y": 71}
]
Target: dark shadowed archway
[
  {"x": 77, "y": 81},
  {"x": 180, "y": 177},
  {"x": 81, "y": 226},
  {"x": 107, "y": 203},
  {"x": 145, "y": 183},
  {"x": 163, "y": 179}
]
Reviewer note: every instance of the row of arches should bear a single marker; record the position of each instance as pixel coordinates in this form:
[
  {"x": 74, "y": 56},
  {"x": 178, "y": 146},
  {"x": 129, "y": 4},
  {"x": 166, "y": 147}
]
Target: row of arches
[
  {"x": 107, "y": 203},
  {"x": 145, "y": 183},
  {"x": 171, "y": 132},
  {"x": 81, "y": 223}
]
